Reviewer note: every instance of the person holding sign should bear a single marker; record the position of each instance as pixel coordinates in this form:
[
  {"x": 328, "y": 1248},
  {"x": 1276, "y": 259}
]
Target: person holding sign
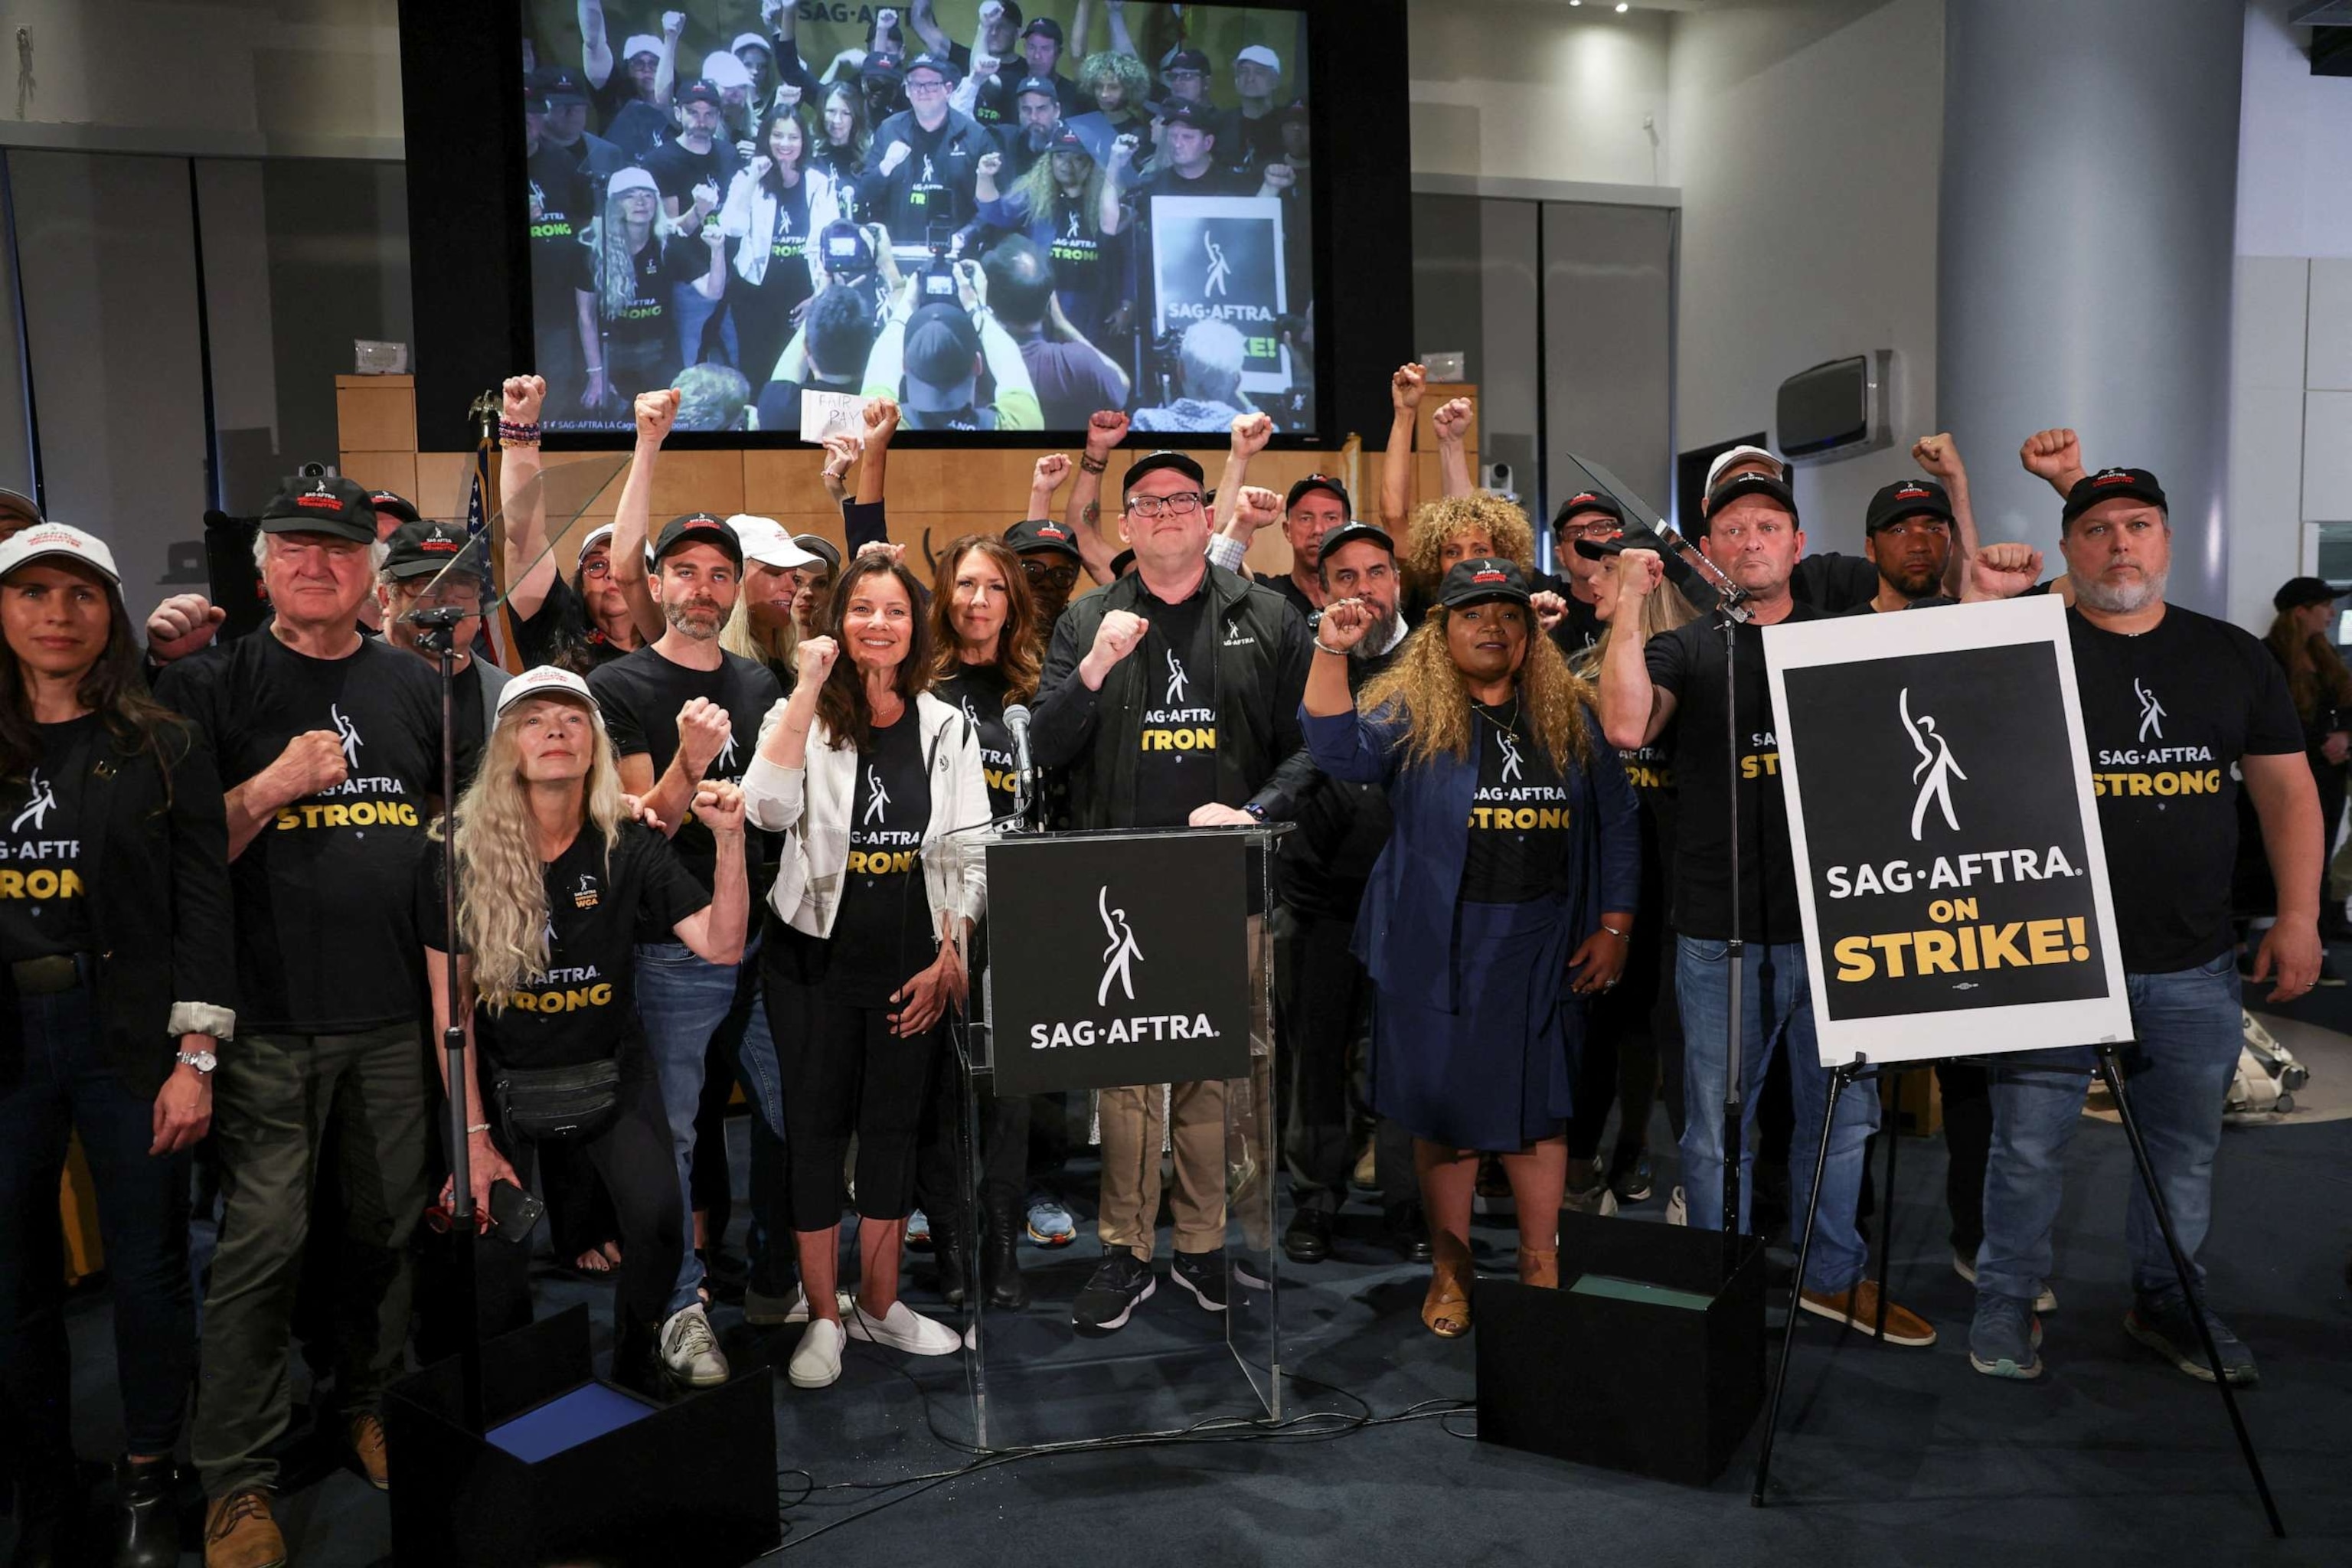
[
  {"x": 1503, "y": 900},
  {"x": 2177, "y": 706},
  {"x": 1678, "y": 678}
]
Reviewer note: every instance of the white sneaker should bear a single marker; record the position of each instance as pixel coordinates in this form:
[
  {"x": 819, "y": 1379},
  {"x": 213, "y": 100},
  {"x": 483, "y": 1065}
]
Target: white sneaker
[
  {"x": 1965, "y": 1267},
  {"x": 817, "y": 1363},
  {"x": 767, "y": 1312},
  {"x": 691, "y": 1351},
  {"x": 1678, "y": 1208},
  {"x": 902, "y": 1329}
]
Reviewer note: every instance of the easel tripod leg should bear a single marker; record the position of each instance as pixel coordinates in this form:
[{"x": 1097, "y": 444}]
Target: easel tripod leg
[
  {"x": 1839, "y": 1078},
  {"x": 2188, "y": 1285},
  {"x": 1886, "y": 1206}
]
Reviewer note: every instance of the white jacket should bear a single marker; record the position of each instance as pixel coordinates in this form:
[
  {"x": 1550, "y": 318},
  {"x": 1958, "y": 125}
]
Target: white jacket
[
  {"x": 750, "y": 209},
  {"x": 811, "y": 806}
]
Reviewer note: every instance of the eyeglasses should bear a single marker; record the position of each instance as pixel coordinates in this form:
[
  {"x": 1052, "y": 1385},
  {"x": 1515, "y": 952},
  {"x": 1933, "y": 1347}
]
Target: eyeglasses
[
  {"x": 1603, "y": 529},
  {"x": 1037, "y": 572},
  {"x": 597, "y": 568},
  {"x": 925, "y": 86},
  {"x": 1184, "y": 504}
]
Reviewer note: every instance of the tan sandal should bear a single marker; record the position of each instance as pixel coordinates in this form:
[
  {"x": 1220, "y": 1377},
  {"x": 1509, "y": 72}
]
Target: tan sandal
[
  {"x": 1446, "y": 1308},
  {"x": 1539, "y": 1268}
]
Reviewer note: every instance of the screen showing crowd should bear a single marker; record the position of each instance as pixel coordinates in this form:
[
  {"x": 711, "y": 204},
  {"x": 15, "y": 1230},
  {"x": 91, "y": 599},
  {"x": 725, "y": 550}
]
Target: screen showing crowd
[{"x": 1004, "y": 217}]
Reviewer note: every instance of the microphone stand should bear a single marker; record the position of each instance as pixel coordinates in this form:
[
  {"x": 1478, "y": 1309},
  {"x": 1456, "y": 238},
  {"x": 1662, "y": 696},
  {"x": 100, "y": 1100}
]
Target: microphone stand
[
  {"x": 1731, "y": 613},
  {"x": 438, "y": 629}
]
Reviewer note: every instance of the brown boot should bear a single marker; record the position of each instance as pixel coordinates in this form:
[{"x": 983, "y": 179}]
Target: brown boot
[
  {"x": 1858, "y": 1310},
  {"x": 1539, "y": 1268},
  {"x": 367, "y": 1446},
  {"x": 240, "y": 1533},
  {"x": 1446, "y": 1308}
]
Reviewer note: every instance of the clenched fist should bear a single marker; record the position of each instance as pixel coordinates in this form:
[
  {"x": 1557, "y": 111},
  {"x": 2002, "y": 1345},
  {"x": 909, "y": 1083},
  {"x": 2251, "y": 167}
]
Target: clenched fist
[
  {"x": 1344, "y": 623},
  {"x": 2052, "y": 454},
  {"x": 1120, "y": 635},
  {"x": 892, "y": 158},
  {"x": 1406, "y": 386},
  {"x": 718, "y": 806},
  {"x": 181, "y": 624},
  {"x": 703, "y": 727},
  {"x": 815, "y": 656},
  {"x": 1638, "y": 572},
  {"x": 881, "y": 419},
  {"x": 1257, "y": 506},
  {"x": 1251, "y": 432},
  {"x": 1105, "y": 429},
  {"x": 311, "y": 762},
  {"x": 1052, "y": 469},
  {"x": 1453, "y": 420},
  {"x": 1940, "y": 457},
  {"x": 2002, "y": 572},
  {"x": 990, "y": 164},
  {"x": 656, "y": 412},
  {"x": 520, "y": 399}
]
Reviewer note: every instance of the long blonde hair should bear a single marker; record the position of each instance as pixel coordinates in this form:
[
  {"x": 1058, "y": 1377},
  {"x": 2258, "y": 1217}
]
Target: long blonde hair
[
  {"x": 502, "y": 911},
  {"x": 1664, "y": 608},
  {"x": 778, "y": 646},
  {"x": 1437, "y": 522},
  {"x": 1427, "y": 690}
]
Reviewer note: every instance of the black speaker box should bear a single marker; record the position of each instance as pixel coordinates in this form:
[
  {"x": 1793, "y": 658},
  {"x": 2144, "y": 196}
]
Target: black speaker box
[
  {"x": 1649, "y": 1357},
  {"x": 577, "y": 1471}
]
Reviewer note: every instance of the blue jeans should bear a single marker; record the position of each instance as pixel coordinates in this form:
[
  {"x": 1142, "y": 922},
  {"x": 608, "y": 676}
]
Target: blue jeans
[
  {"x": 681, "y": 1002},
  {"x": 2189, "y": 1035},
  {"x": 1777, "y": 1004},
  {"x": 54, "y": 1082}
]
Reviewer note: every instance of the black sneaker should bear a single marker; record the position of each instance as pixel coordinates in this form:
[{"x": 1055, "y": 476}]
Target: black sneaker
[
  {"x": 1121, "y": 1284},
  {"x": 1631, "y": 1180},
  {"x": 1203, "y": 1274}
]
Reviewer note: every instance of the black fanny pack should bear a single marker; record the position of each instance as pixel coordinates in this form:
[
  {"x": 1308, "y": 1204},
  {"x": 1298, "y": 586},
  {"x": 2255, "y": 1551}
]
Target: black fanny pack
[{"x": 557, "y": 1105}]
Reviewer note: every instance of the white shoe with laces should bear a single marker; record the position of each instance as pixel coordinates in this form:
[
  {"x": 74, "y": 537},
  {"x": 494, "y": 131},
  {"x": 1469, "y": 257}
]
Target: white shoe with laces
[
  {"x": 691, "y": 1351},
  {"x": 902, "y": 1329},
  {"x": 817, "y": 1363}
]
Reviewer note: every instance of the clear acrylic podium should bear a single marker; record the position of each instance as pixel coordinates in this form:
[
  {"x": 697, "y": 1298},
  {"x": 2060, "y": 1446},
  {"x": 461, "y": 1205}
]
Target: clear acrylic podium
[{"x": 1123, "y": 958}]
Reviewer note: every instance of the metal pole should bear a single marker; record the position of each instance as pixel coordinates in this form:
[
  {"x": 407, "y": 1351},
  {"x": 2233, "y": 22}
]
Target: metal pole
[{"x": 1837, "y": 1080}]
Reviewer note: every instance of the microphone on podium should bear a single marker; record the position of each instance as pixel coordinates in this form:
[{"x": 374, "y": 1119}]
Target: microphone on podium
[{"x": 1024, "y": 765}]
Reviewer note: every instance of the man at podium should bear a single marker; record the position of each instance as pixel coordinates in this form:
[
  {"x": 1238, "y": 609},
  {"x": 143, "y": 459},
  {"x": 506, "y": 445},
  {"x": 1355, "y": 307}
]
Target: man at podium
[{"x": 1171, "y": 698}]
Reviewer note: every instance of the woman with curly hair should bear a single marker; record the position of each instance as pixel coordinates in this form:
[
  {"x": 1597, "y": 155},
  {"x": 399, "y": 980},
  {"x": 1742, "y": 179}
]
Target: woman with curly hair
[
  {"x": 554, "y": 884},
  {"x": 1121, "y": 89},
  {"x": 1460, "y": 528},
  {"x": 1502, "y": 902}
]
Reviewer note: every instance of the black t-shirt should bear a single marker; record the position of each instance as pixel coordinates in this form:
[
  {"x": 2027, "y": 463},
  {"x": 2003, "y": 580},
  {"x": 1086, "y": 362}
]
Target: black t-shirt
[
  {"x": 640, "y": 130},
  {"x": 1178, "y": 768},
  {"x": 560, "y": 185},
  {"x": 1518, "y": 814},
  {"x": 1833, "y": 584},
  {"x": 599, "y": 907},
  {"x": 641, "y": 694},
  {"x": 979, "y": 691},
  {"x": 1688, "y": 663},
  {"x": 326, "y": 934},
  {"x": 1324, "y": 862},
  {"x": 560, "y": 633},
  {"x": 43, "y": 905},
  {"x": 2165, "y": 716},
  {"x": 1306, "y": 608},
  {"x": 788, "y": 243},
  {"x": 677, "y": 169},
  {"x": 1219, "y": 180},
  {"x": 1579, "y": 631},
  {"x": 881, "y": 934},
  {"x": 1081, "y": 253},
  {"x": 656, "y": 269}
]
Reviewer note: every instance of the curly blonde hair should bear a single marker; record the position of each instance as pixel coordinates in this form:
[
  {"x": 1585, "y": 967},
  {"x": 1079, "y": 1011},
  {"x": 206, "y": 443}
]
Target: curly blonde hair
[
  {"x": 1425, "y": 688},
  {"x": 503, "y": 885},
  {"x": 1437, "y": 522}
]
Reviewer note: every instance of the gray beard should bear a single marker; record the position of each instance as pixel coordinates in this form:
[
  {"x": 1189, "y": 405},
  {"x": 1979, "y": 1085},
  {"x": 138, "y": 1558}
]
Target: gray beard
[
  {"x": 1376, "y": 639},
  {"x": 2122, "y": 600}
]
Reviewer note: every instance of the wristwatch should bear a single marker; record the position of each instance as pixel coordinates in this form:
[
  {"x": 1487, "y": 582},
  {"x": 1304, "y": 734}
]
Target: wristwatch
[{"x": 202, "y": 1061}]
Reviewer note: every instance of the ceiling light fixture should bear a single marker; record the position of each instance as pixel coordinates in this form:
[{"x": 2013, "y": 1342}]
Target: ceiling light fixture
[{"x": 1622, "y": 7}]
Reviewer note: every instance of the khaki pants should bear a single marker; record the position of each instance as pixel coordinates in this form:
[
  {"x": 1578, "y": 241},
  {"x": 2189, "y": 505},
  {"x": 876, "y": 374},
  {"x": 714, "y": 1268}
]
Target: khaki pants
[{"x": 1213, "y": 1130}]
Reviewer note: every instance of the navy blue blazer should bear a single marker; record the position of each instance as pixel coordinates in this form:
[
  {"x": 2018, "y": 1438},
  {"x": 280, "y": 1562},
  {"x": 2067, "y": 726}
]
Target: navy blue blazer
[{"x": 1406, "y": 933}]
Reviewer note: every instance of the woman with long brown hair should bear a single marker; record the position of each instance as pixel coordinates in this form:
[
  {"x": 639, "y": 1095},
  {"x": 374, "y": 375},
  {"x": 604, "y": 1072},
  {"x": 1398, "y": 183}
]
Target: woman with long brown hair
[
  {"x": 873, "y": 781},
  {"x": 115, "y": 958},
  {"x": 2321, "y": 685},
  {"x": 1502, "y": 902}
]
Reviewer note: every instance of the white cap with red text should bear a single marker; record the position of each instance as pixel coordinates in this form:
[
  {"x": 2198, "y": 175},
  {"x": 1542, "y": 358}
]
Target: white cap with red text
[
  {"x": 48, "y": 538},
  {"x": 549, "y": 680}
]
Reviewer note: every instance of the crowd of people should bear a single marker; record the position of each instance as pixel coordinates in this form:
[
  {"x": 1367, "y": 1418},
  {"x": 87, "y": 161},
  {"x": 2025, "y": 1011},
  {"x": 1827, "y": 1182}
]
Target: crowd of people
[
  {"x": 966, "y": 227},
  {"x": 723, "y": 827}
]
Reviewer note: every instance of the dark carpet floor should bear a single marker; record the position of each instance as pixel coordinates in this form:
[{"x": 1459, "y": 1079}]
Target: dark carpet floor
[{"x": 1888, "y": 1456}]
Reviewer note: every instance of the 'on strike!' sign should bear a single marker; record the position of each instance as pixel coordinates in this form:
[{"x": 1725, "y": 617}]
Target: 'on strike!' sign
[{"x": 1947, "y": 841}]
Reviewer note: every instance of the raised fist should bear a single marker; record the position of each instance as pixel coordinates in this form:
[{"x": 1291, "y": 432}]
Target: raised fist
[
  {"x": 705, "y": 196},
  {"x": 1122, "y": 151},
  {"x": 760, "y": 167},
  {"x": 718, "y": 806},
  {"x": 2002, "y": 570},
  {"x": 1453, "y": 420},
  {"x": 895, "y": 156},
  {"x": 1120, "y": 635},
  {"x": 657, "y": 411},
  {"x": 1549, "y": 608},
  {"x": 989, "y": 166},
  {"x": 311, "y": 762},
  {"x": 1638, "y": 572},
  {"x": 520, "y": 399},
  {"x": 673, "y": 23},
  {"x": 1279, "y": 178},
  {"x": 1251, "y": 432},
  {"x": 1256, "y": 506},
  {"x": 886, "y": 20},
  {"x": 1405, "y": 386},
  {"x": 788, "y": 95},
  {"x": 703, "y": 727},
  {"x": 1344, "y": 623},
  {"x": 1106, "y": 429},
  {"x": 815, "y": 656},
  {"x": 881, "y": 419},
  {"x": 1052, "y": 469},
  {"x": 181, "y": 624},
  {"x": 1938, "y": 457},
  {"x": 992, "y": 12},
  {"x": 2051, "y": 455}
]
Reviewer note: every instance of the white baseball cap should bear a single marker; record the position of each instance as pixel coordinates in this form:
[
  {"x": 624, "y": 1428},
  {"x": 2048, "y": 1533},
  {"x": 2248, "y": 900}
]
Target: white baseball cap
[
  {"x": 1258, "y": 53},
  {"x": 640, "y": 44},
  {"x": 765, "y": 541},
  {"x": 547, "y": 680},
  {"x": 1742, "y": 455},
  {"x": 628, "y": 180},
  {"x": 722, "y": 70},
  {"x": 596, "y": 536},
  {"x": 43, "y": 540},
  {"x": 752, "y": 39}
]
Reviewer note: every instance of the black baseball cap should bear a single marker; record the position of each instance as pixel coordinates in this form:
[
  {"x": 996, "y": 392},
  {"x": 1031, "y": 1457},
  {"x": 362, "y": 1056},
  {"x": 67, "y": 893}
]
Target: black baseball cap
[
  {"x": 1121, "y": 562},
  {"x": 1043, "y": 27},
  {"x": 422, "y": 549},
  {"x": 1042, "y": 536},
  {"x": 1325, "y": 483},
  {"x": 940, "y": 63},
  {"x": 2106, "y": 485},
  {"x": 1188, "y": 59},
  {"x": 330, "y": 505},
  {"x": 701, "y": 92},
  {"x": 1635, "y": 538},
  {"x": 1739, "y": 485},
  {"x": 1152, "y": 462},
  {"x": 559, "y": 84},
  {"x": 1184, "y": 111},
  {"x": 2297, "y": 592},
  {"x": 391, "y": 504},
  {"x": 700, "y": 528},
  {"x": 817, "y": 544},
  {"x": 1349, "y": 533},
  {"x": 1036, "y": 84},
  {"x": 1068, "y": 141},
  {"x": 1907, "y": 498},
  {"x": 882, "y": 66},
  {"x": 1588, "y": 501},
  {"x": 941, "y": 353},
  {"x": 1476, "y": 580}
]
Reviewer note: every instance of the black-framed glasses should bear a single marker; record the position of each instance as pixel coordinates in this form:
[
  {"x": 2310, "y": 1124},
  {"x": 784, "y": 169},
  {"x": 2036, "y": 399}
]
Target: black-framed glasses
[{"x": 1184, "y": 504}]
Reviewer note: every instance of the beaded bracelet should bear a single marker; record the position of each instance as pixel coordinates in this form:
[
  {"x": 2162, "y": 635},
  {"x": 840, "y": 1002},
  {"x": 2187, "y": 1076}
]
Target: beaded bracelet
[
  {"x": 522, "y": 434},
  {"x": 1091, "y": 464}
]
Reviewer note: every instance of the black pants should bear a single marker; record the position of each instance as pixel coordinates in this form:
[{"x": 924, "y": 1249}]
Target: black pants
[
  {"x": 1968, "y": 1143},
  {"x": 764, "y": 318},
  {"x": 845, "y": 1073},
  {"x": 632, "y": 1157},
  {"x": 1322, "y": 1013},
  {"x": 1620, "y": 1065},
  {"x": 2329, "y": 778}
]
